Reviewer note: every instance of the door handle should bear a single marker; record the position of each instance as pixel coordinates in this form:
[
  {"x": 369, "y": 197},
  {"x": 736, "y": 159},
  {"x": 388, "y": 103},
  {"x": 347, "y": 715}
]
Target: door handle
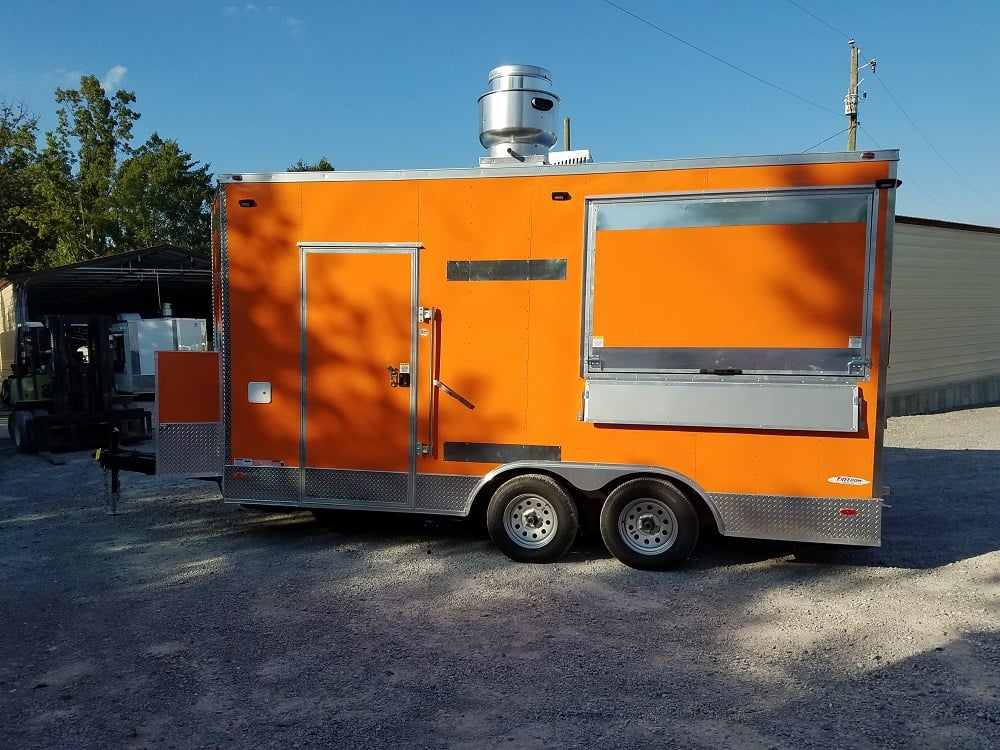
[
  {"x": 393, "y": 376},
  {"x": 430, "y": 317}
]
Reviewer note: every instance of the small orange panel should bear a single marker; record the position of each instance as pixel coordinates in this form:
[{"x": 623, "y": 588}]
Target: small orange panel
[{"x": 187, "y": 387}]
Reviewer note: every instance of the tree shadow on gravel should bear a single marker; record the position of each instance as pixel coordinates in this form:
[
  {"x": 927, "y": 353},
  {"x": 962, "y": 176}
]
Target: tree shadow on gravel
[
  {"x": 359, "y": 527},
  {"x": 187, "y": 622},
  {"x": 462, "y": 535},
  {"x": 955, "y": 684}
]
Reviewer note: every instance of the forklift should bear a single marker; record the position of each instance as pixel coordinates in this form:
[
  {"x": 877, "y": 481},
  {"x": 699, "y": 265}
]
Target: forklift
[{"x": 61, "y": 388}]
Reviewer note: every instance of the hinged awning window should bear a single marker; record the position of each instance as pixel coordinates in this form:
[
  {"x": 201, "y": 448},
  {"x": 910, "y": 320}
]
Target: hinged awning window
[{"x": 734, "y": 283}]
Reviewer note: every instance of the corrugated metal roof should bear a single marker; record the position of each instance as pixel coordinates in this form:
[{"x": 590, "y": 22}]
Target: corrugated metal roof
[
  {"x": 136, "y": 281},
  {"x": 946, "y": 224}
]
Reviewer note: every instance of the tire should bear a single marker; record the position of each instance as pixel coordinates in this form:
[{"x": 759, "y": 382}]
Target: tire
[
  {"x": 649, "y": 524},
  {"x": 532, "y": 519},
  {"x": 19, "y": 426}
]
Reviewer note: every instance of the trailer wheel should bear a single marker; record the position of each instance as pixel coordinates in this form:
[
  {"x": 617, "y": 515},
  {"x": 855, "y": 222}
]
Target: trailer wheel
[
  {"x": 18, "y": 424},
  {"x": 649, "y": 524},
  {"x": 532, "y": 519}
]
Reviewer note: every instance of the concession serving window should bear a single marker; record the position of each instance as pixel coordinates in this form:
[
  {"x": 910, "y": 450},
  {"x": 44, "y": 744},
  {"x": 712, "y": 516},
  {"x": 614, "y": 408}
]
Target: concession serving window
[{"x": 726, "y": 297}]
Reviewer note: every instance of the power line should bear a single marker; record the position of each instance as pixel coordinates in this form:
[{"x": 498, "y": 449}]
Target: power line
[
  {"x": 824, "y": 141},
  {"x": 912, "y": 182},
  {"x": 905, "y": 114},
  {"x": 933, "y": 148},
  {"x": 870, "y": 137},
  {"x": 718, "y": 59},
  {"x": 817, "y": 18}
]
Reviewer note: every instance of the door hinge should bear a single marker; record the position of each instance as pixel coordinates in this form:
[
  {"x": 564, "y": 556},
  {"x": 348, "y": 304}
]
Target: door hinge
[{"x": 858, "y": 365}]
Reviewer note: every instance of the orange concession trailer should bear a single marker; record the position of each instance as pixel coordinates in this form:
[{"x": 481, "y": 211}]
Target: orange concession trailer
[{"x": 664, "y": 345}]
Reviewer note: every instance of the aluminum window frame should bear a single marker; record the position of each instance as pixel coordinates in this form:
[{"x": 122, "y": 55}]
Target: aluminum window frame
[{"x": 619, "y": 212}]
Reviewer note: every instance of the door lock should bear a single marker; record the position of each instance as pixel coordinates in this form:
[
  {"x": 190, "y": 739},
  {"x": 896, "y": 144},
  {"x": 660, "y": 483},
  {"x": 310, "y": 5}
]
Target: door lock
[{"x": 399, "y": 378}]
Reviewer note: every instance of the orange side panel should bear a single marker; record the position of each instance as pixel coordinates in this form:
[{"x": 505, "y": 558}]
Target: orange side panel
[
  {"x": 264, "y": 319},
  {"x": 744, "y": 286},
  {"x": 783, "y": 463},
  {"x": 379, "y": 211},
  {"x": 483, "y": 346},
  {"x": 187, "y": 387}
]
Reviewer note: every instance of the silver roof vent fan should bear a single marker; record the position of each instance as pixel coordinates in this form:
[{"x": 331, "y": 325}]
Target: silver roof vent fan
[{"x": 518, "y": 116}]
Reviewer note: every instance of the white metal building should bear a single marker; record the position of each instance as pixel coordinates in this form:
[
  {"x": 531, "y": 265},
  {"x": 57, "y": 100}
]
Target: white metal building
[{"x": 945, "y": 346}]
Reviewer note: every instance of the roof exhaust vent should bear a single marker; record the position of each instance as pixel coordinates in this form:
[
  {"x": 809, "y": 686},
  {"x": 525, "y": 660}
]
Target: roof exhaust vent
[{"x": 518, "y": 116}]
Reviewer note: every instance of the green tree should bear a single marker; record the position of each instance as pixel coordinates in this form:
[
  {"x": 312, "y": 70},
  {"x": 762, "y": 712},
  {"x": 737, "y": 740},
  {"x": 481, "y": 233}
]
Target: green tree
[
  {"x": 91, "y": 194},
  {"x": 53, "y": 213},
  {"x": 321, "y": 166},
  {"x": 79, "y": 163},
  {"x": 163, "y": 196},
  {"x": 21, "y": 247}
]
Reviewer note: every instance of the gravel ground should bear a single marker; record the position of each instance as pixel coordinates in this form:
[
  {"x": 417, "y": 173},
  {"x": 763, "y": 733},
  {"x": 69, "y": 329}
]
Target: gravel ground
[{"x": 184, "y": 623}]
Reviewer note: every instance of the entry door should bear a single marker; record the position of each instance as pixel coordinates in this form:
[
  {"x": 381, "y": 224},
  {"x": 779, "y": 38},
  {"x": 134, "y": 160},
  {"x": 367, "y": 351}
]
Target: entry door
[{"x": 358, "y": 426}]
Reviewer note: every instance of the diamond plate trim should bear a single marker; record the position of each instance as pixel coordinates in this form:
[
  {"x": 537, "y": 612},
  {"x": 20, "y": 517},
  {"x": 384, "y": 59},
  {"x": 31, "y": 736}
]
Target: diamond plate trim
[
  {"x": 444, "y": 494},
  {"x": 188, "y": 448},
  {"x": 438, "y": 493},
  {"x": 260, "y": 483},
  {"x": 357, "y": 487},
  {"x": 801, "y": 519}
]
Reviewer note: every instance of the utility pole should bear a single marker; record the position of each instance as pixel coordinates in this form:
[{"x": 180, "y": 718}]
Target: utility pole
[{"x": 851, "y": 102}]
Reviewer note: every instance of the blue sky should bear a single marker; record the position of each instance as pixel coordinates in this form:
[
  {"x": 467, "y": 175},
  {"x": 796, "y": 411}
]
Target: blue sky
[{"x": 388, "y": 84}]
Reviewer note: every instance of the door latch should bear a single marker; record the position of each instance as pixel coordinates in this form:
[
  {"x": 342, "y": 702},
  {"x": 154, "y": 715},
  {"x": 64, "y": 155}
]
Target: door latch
[{"x": 399, "y": 378}]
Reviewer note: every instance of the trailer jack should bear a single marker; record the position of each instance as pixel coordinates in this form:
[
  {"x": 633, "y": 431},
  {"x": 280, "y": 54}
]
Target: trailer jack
[{"x": 115, "y": 460}]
